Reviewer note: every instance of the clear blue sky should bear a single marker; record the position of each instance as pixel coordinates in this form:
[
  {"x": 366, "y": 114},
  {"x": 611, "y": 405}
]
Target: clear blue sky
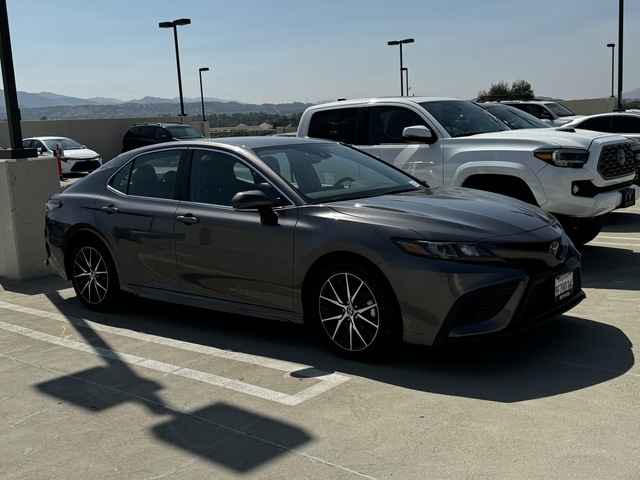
[{"x": 300, "y": 50}]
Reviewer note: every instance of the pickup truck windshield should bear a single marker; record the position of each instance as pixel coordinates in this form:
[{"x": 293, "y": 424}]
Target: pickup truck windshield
[
  {"x": 560, "y": 110},
  {"x": 327, "y": 172},
  {"x": 461, "y": 119}
]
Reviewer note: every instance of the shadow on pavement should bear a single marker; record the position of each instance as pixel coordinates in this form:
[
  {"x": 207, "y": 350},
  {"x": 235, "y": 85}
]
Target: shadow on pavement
[
  {"x": 622, "y": 222},
  {"x": 610, "y": 267},
  {"x": 566, "y": 355},
  {"x": 205, "y": 432}
]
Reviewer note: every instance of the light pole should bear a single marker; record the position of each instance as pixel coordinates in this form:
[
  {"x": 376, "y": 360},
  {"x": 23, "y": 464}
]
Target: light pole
[
  {"x": 200, "y": 70},
  {"x": 400, "y": 43},
  {"x": 612, "y": 46},
  {"x": 620, "y": 53},
  {"x": 174, "y": 24},
  {"x": 10, "y": 94}
]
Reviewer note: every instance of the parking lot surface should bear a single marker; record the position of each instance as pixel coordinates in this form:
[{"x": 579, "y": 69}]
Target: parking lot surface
[{"x": 159, "y": 391}]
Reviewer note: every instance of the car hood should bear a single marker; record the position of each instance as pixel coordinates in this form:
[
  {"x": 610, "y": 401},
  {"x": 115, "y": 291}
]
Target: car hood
[
  {"x": 449, "y": 214},
  {"x": 80, "y": 154},
  {"x": 549, "y": 137}
]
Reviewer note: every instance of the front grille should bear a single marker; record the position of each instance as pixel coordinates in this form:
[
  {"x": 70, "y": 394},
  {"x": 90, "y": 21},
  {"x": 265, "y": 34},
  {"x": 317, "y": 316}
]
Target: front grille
[
  {"x": 85, "y": 166},
  {"x": 616, "y": 161}
]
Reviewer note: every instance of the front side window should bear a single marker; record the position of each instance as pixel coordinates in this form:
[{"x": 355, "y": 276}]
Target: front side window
[
  {"x": 326, "y": 172},
  {"x": 65, "y": 143},
  {"x": 598, "y": 124},
  {"x": 340, "y": 125},
  {"x": 217, "y": 176},
  {"x": 461, "y": 119},
  {"x": 155, "y": 174},
  {"x": 388, "y": 123}
]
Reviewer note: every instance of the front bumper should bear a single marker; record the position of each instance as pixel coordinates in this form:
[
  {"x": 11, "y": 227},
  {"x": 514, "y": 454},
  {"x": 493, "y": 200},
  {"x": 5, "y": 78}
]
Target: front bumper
[
  {"x": 510, "y": 307},
  {"x": 80, "y": 165}
]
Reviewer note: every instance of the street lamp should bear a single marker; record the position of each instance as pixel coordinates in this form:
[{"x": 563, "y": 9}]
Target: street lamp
[
  {"x": 612, "y": 46},
  {"x": 200, "y": 70},
  {"x": 620, "y": 53},
  {"x": 175, "y": 24},
  {"x": 393, "y": 43}
]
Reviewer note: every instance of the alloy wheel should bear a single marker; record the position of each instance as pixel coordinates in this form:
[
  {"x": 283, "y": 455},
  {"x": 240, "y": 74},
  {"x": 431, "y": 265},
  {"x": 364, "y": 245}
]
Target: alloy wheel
[
  {"x": 349, "y": 312},
  {"x": 90, "y": 275}
]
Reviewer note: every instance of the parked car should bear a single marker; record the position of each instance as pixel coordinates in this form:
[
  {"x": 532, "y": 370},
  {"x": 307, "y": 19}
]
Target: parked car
[
  {"x": 578, "y": 176},
  {"x": 298, "y": 229},
  {"x": 513, "y": 117},
  {"x": 77, "y": 158},
  {"x": 152, "y": 133},
  {"x": 554, "y": 113}
]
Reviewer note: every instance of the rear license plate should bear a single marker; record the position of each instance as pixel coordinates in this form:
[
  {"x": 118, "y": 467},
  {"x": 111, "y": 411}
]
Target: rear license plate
[
  {"x": 564, "y": 286},
  {"x": 628, "y": 197}
]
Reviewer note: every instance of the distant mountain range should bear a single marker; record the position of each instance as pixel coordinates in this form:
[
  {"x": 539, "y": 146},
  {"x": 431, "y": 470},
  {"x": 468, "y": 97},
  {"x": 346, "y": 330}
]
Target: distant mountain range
[{"x": 47, "y": 105}]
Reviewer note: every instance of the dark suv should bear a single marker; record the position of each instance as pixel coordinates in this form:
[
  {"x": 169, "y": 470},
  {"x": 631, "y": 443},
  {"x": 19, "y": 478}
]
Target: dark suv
[{"x": 150, "y": 133}]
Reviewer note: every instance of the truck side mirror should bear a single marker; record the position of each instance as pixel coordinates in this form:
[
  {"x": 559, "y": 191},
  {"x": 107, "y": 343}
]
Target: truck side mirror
[{"x": 418, "y": 132}]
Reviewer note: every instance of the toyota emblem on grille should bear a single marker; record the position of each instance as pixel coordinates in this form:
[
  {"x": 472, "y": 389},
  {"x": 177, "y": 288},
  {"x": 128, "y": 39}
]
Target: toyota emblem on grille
[
  {"x": 554, "y": 248},
  {"x": 622, "y": 158}
]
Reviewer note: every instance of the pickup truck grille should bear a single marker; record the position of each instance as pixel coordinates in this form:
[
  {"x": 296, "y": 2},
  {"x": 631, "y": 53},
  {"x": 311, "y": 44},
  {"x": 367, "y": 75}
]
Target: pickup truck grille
[{"x": 616, "y": 161}]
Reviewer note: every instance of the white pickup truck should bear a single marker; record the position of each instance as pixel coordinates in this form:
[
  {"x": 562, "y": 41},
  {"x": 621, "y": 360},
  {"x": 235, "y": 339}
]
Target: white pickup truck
[{"x": 577, "y": 175}]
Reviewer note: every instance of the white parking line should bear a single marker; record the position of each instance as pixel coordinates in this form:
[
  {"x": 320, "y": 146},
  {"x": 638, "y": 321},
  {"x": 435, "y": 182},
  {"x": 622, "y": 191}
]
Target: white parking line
[{"x": 325, "y": 382}]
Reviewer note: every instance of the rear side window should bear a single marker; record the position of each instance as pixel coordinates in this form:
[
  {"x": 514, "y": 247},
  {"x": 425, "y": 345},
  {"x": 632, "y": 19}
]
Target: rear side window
[
  {"x": 340, "y": 125},
  {"x": 388, "y": 123},
  {"x": 626, "y": 124},
  {"x": 151, "y": 175}
]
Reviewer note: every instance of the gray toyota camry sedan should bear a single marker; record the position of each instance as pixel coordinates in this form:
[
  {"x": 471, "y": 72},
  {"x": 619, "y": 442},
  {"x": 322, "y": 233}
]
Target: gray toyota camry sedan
[{"x": 307, "y": 230}]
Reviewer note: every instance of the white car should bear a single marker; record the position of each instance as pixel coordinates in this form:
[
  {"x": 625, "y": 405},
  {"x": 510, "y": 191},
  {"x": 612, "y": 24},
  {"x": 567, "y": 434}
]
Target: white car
[
  {"x": 623, "y": 123},
  {"x": 76, "y": 157},
  {"x": 576, "y": 175},
  {"x": 553, "y": 113}
]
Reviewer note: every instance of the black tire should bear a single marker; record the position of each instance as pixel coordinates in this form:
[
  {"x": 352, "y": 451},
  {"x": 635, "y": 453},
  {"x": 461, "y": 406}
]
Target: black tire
[
  {"x": 365, "y": 326},
  {"x": 503, "y": 185},
  {"x": 93, "y": 275},
  {"x": 581, "y": 230}
]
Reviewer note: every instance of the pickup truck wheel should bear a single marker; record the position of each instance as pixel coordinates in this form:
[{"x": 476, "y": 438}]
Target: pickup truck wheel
[
  {"x": 504, "y": 185},
  {"x": 581, "y": 230}
]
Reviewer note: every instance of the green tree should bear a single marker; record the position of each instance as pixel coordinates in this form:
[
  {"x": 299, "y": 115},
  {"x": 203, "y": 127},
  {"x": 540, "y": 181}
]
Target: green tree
[
  {"x": 522, "y": 90},
  {"x": 519, "y": 90}
]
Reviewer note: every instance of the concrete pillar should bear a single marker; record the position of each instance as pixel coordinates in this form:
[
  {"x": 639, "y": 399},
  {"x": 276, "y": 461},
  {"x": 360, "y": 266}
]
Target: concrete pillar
[{"x": 25, "y": 186}]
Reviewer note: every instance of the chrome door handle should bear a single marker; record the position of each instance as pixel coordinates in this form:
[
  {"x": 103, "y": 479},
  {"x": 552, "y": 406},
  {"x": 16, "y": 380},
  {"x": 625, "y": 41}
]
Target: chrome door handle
[
  {"x": 110, "y": 209},
  {"x": 188, "y": 219}
]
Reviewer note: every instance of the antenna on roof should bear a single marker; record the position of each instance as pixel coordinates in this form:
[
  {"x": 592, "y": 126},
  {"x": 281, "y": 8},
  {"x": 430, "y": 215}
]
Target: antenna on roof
[{"x": 342, "y": 99}]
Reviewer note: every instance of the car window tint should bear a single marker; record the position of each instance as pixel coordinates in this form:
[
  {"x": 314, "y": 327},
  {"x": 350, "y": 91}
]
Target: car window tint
[
  {"x": 388, "y": 123},
  {"x": 598, "y": 124},
  {"x": 149, "y": 132},
  {"x": 340, "y": 124},
  {"x": 121, "y": 179},
  {"x": 217, "y": 176},
  {"x": 155, "y": 174},
  {"x": 626, "y": 124}
]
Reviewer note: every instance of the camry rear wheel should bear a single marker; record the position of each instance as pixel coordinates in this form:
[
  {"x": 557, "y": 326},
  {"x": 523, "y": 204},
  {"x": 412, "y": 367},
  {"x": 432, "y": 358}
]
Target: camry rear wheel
[
  {"x": 93, "y": 275},
  {"x": 354, "y": 310}
]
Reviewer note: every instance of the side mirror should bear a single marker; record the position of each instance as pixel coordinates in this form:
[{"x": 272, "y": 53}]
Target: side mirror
[
  {"x": 417, "y": 132},
  {"x": 251, "y": 200},
  {"x": 42, "y": 150},
  {"x": 256, "y": 200}
]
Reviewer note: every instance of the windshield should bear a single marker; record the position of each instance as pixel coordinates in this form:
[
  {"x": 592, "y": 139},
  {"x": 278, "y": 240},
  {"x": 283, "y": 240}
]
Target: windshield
[
  {"x": 560, "y": 110},
  {"x": 65, "y": 143},
  {"x": 514, "y": 118},
  {"x": 184, "y": 131},
  {"x": 326, "y": 172},
  {"x": 461, "y": 119}
]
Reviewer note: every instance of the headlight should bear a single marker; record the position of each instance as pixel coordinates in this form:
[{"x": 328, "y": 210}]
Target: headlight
[
  {"x": 446, "y": 250},
  {"x": 563, "y": 157}
]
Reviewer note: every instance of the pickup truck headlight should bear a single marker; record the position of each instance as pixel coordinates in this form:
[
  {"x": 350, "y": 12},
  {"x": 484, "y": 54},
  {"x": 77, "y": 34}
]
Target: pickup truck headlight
[
  {"x": 446, "y": 250},
  {"x": 563, "y": 157}
]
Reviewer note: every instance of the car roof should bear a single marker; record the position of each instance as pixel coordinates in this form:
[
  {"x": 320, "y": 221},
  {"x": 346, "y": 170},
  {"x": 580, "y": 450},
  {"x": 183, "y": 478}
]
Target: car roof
[
  {"x": 371, "y": 100},
  {"x": 257, "y": 142},
  {"x": 536, "y": 102},
  {"x": 46, "y": 138},
  {"x": 160, "y": 124}
]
